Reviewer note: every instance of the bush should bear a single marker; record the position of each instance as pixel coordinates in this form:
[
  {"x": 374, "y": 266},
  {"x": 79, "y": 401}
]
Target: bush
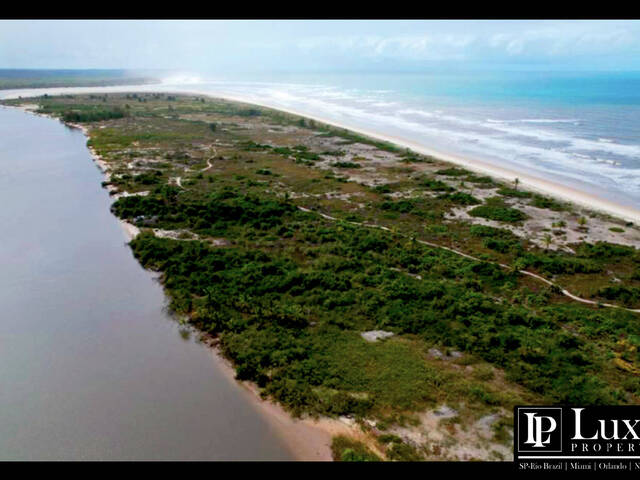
[
  {"x": 498, "y": 213},
  {"x": 93, "y": 115},
  {"x": 460, "y": 198},
  {"x": 556, "y": 264},
  {"x": 548, "y": 203},
  {"x": 346, "y": 165},
  {"x": 604, "y": 250},
  {"x": 436, "y": 185},
  {"x": 626, "y": 295},
  {"x": 453, "y": 172},
  {"x": 512, "y": 192},
  {"x": 345, "y": 449}
]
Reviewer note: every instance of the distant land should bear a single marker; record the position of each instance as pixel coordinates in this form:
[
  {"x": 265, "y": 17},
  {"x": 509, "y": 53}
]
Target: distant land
[{"x": 39, "y": 78}]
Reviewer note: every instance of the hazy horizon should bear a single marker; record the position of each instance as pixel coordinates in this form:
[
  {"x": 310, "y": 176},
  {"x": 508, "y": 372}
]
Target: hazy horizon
[{"x": 241, "y": 46}]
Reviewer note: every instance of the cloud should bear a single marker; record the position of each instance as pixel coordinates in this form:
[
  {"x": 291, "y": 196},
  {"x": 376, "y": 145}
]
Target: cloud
[
  {"x": 408, "y": 47},
  {"x": 291, "y": 45},
  {"x": 566, "y": 40},
  {"x": 550, "y": 40}
]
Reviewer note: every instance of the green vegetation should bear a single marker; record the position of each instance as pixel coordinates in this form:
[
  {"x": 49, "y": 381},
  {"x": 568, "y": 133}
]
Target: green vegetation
[
  {"x": 262, "y": 306},
  {"x": 346, "y": 165},
  {"x": 41, "y": 78},
  {"x": 547, "y": 203},
  {"x": 453, "y": 172},
  {"x": 512, "y": 192},
  {"x": 288, "y": 293},
  {"x": 345, "y": 449},
  {"x": 498, "y": 213},
  {"x": 92, "y": 116},
  {"x": 488, "y": 181},
  {"x": 460, "y": 198},
  {"x": 498, "y": 239},
  {"x": 435, "y": 185}
]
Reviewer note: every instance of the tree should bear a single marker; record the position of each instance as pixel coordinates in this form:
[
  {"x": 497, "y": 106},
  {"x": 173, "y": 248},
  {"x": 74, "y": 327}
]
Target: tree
[
  {"x": 516, "y": 182},
  {"x": 582, "y": 221},
  {"x": 547, "y": 240}
]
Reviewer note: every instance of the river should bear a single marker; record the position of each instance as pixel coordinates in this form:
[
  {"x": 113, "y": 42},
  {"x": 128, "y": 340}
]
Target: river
[{"x": 92, "y": 366}]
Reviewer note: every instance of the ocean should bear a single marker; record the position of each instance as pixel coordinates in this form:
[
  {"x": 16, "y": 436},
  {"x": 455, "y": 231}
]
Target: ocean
[
  {"x": 575, "y": 128},
  {"x": 579, "y": 129}
]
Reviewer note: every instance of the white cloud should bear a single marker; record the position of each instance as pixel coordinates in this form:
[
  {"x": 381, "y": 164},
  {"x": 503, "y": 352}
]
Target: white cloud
[
  {"x": 316, "y": 44},
  {"x": 542, "y": 40},
  {"x": 415, "y": 47},
  {"x": 556, "y": 40}
]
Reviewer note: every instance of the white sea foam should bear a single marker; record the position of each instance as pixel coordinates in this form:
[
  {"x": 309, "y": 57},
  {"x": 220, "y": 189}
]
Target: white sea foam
[
  {"x": 535, "y": 120},
  {"x": 537, "y": 143}
]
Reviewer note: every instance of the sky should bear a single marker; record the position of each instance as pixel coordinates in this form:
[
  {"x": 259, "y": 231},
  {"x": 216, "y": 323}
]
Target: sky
[{"x": 310, "y": 45}]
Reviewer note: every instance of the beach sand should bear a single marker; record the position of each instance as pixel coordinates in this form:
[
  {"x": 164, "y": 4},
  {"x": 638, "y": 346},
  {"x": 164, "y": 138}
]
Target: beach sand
[
  {"x": 527, "y": 181},
  {"x": 310, "y": 439}
]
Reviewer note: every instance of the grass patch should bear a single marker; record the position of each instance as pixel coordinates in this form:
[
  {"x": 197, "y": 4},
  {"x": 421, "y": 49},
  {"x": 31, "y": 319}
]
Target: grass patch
[
  {"x": 345, "y": 449},
  {"x": 498, "y": 213}
]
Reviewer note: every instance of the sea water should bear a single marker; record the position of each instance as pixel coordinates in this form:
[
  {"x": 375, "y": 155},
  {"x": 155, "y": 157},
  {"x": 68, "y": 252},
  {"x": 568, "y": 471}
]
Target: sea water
[{"x": 580, "y": 129}]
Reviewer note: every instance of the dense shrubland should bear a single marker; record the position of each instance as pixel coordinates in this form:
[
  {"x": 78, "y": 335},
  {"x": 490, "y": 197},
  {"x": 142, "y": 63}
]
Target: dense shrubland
[
  {"x": 288, "y": 313},
  {"x": 289, "y": 292}
]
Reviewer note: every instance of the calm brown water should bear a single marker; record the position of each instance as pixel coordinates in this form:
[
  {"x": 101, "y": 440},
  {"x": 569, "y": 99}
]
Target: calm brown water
[{"x": 91, "y": 365}]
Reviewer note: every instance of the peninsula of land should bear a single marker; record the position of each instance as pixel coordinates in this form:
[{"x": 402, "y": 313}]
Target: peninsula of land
[{"x": 352, "y": 280}]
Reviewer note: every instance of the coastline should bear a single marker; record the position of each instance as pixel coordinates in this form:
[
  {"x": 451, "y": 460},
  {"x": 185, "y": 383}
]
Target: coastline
[
  {"x": 528, "y": 182},
  {"x": 130, "y": 231},
  {"x": 307, "y": 439}
]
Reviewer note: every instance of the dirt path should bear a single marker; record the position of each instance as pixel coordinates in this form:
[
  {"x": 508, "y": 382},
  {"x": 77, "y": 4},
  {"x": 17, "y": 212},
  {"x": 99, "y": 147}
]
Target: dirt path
[
  {"x": 208, "y": 166},
  {"x": 215, "y": 152},
  {"x": 502, "y": 265}
]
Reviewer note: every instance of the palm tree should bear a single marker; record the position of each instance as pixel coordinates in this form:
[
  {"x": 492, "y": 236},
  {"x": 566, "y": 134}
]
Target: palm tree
[
  {"x": 547, "y": 240},
  {"x": 516, "y": 182},
  {"x": 582, "y": 221}
]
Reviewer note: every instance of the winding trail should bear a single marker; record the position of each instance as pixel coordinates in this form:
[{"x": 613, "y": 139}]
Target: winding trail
[
  {"x": 215, "y": 152},
  {"x": 208, "y": 166},
  {"x": 565, "y": 292}
]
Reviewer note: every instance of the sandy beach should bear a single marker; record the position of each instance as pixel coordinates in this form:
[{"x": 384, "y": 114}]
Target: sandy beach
[
  {"x": 310, "y": 439},
  {"x": 527, "y": 181}
]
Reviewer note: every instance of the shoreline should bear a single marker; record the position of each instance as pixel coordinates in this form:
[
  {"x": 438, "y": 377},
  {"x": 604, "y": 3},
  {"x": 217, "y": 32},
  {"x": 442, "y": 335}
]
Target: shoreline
[
  {"x": 130, "y": 231},
  {"x": 527, "y": 182},
  {"x": 307, "y": 439}
]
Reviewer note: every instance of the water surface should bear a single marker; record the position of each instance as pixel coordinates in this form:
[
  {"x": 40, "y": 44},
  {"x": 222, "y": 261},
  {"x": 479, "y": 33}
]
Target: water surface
[
  {"x": 578, "y": 129},
  {"x": 91, "y": 365}
]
